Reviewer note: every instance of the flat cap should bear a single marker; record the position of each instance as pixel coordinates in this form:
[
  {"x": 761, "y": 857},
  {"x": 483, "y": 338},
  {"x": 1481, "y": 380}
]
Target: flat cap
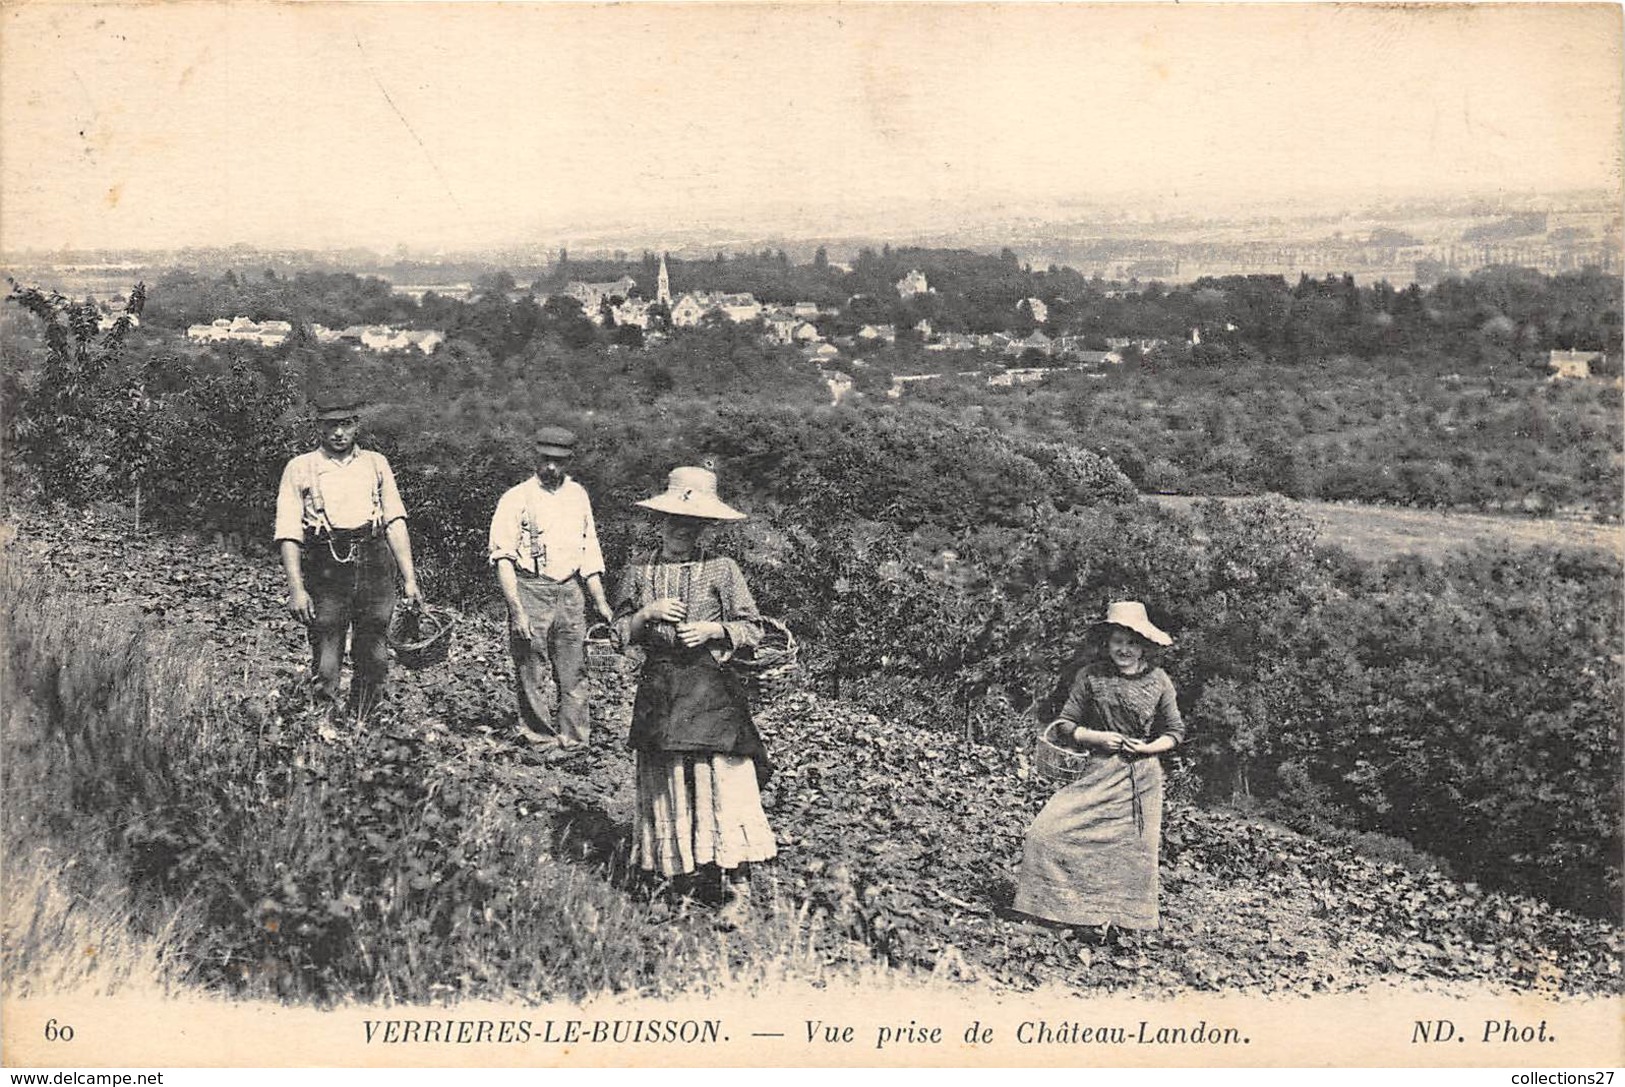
[
  {"x": 555, "y": 441},
  {"x": 338, "y": 406}
]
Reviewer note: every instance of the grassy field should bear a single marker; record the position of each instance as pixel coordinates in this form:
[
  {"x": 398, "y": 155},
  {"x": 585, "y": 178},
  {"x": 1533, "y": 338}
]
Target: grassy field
[
  {"x": 1375, "y": 533},
  {"x": 179, "y": 819}
]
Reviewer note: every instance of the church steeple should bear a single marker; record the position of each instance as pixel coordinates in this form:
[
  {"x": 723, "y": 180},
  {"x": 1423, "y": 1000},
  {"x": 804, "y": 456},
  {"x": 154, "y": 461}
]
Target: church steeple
[{"x": 663, "y": 289}]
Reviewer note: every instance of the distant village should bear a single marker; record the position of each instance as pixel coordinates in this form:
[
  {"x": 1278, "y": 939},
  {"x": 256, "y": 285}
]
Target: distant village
[
  {"x": 618, "y": 303},
  {"x": 793, "y": 325},
  {"x": 380, "y": 338}
]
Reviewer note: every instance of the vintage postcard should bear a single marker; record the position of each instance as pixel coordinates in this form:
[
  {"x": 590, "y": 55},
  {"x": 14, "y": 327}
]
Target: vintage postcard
[{"x": 811, "y": 534}]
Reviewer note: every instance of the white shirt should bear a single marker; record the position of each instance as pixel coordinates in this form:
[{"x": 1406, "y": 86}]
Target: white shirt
[
  {"x": 548, "y": 533},
  {"x": 352, "y": 493}
]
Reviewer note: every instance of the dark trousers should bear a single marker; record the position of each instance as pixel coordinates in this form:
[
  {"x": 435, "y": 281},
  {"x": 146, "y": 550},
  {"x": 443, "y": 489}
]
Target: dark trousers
[
  {"x": 558, "y": 651},
  {"x": 353, "y": 596}
]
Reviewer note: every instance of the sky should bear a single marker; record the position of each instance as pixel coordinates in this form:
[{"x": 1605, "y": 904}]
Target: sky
[{"x": 317, "y": 125}]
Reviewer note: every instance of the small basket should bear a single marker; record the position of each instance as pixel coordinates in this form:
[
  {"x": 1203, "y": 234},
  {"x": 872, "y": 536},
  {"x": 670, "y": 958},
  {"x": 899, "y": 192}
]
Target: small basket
[
  {"x": 1057, "y": 762},
  {"x": 605, "y": 660},
  {"x": 421, "y": 636},
  {"x": 770, "y": 668}
]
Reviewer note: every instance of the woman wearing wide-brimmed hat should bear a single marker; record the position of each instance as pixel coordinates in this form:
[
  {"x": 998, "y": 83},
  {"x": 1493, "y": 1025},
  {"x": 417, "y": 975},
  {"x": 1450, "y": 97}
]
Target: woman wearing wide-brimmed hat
[
  {"x": 698, "y": 751},
  {"x": 1091, "y": 855}
]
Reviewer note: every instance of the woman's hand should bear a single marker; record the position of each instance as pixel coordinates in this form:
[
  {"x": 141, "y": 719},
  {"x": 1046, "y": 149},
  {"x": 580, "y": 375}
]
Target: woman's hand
[
  {"x": 1109, "y": 742},
  {"x": 668, "y": 609},
  {"x": 695, "y": 634},
  {"x": 1146, "y": 748}
]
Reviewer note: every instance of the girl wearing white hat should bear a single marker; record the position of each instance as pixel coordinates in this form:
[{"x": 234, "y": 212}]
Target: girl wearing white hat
[
  {"x": 698, "y": 751},
  {"x": 1090, "y": 857}
]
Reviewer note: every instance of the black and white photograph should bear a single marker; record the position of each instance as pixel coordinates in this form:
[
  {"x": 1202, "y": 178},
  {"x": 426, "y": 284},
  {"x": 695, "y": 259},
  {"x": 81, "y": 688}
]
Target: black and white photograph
[{"x": 563, "y": 536}]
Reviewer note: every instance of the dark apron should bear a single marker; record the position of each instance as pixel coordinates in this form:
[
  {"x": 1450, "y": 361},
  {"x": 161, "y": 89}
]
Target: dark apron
[{"x": 688, "y": 702}]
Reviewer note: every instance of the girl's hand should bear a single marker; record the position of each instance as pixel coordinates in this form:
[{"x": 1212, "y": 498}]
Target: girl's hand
[
  {"x": 668, "y": 609},
  {"x": 1135, "y": 747},
  {"x": 695, "y": 634},
  {"x": 1109, "y": 742}
]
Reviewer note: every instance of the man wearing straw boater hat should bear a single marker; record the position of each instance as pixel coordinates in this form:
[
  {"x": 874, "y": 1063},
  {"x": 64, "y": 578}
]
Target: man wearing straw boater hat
[
  {"x": 341, "y": 528},
  {"x": 544, "y": 548}
]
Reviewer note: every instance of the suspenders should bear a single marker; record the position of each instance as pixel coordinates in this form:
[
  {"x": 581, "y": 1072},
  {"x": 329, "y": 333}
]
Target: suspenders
[
  {"x": 530, "y": 529},
  {"x": 319, "y": 527}
]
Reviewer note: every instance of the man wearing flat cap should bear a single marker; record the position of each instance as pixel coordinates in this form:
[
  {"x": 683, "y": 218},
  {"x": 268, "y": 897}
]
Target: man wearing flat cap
[
  {"x": 544, "y": 548},
  {"x": 341, "y": 529}
]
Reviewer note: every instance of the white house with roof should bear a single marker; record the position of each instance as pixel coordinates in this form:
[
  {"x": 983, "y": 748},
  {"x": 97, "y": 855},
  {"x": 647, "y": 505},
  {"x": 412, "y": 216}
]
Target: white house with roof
[
  {"x": 1572, "y": 365},
  {"x": 687, "y": 311},
  {"x": 912, "y": 284},
  {"x": 273, "y": 333},
  {"x": 1096, "y": 358},
  {"x": 1035, "y": 342},
  {"x": 787, "y": 328},
  {"x": 382, "y": 338},
  {"x": 1036, "y": 307},
  {"x": 1021, "y": 375},
  {"x": 1073, "y": 348},
  {"x": 1146, "y": 344},
  {"x": 264, "y": 333},
  {"x": 425, "y": 339},
  {"x": 737, "y": 307},
  {"x": 878, "y": 333},
  {"x": 954, "y": 341},
  {"x": 592, "y": 295}
]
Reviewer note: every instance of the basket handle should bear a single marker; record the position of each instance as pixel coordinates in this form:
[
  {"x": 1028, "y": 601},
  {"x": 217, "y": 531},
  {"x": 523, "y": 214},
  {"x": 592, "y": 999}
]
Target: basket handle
[{"x": 1052, "y": 733}]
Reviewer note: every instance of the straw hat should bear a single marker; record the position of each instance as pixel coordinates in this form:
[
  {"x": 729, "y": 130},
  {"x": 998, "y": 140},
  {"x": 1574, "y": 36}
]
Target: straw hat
[
  {"x": 1130, "y": 614},
  {"x": 692, "y": 492}
]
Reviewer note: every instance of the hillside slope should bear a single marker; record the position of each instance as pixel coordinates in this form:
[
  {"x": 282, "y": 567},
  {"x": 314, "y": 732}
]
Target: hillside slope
[{"x": 897, "y": 845}]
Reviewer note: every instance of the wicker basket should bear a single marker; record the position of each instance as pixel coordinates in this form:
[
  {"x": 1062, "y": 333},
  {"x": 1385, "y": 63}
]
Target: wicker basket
[
  {"x": 769, "y": 669},
  {"x": 421, "y": 636},
  {"x": 605, "y": 660},
  {"x": 1055, "y": 761}
]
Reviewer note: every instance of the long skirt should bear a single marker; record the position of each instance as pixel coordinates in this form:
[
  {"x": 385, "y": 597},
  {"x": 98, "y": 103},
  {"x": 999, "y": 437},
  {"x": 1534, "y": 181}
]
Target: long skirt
[
  {"x": 697, "y": 808},
  {"x": 1091, "y": 855}
]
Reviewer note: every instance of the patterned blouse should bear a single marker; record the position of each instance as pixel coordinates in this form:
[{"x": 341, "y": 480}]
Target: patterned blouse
[
  {"x": 713, "y": 590},
  {"x": 1143, "y": 706}
]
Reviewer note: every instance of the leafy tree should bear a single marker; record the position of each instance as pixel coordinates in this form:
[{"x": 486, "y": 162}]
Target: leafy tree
[{"x": 69, "y": 420}]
